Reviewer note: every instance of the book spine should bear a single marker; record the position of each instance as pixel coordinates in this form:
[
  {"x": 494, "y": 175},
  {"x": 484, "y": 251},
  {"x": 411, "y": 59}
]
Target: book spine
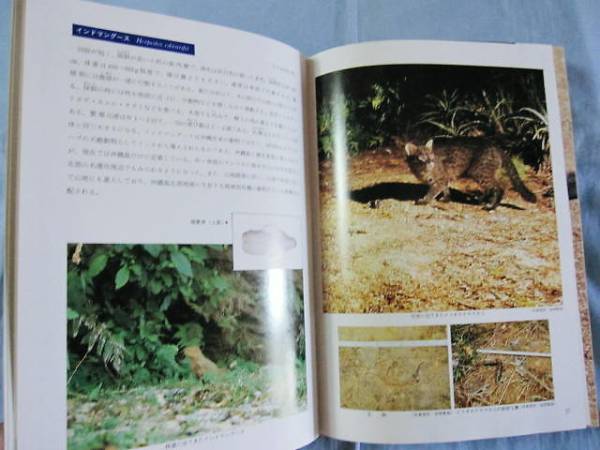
[{"x": 574, "y": 205}]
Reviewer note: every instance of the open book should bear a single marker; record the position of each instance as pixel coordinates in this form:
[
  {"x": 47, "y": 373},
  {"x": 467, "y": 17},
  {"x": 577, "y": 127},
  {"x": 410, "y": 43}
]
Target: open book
[{"x": 215, "y": 242}]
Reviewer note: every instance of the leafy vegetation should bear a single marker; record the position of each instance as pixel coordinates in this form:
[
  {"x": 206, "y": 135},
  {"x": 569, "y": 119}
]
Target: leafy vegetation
[
  {"x": 133, "y": 309},
  {"x": 361, "y": 109},
  {"x": 463, "y": 345}
]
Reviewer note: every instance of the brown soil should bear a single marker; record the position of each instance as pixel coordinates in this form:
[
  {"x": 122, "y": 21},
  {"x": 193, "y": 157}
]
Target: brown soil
[
  {"x": 394, "y": 379},
  {"x": 394, "y": 256},
  {"x": 491, "y": 379}
]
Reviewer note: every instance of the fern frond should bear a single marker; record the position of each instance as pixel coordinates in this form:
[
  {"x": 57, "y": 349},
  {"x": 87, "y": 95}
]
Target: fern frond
[{"x": 97, "y": 337}]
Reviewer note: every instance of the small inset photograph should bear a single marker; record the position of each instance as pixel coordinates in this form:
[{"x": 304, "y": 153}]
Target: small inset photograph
[
  {"x": 501, "y": 363},
  {"x": 394, "y": 368},
  {"x": 264, "y": 241},
  {"x": 166, "y": 342}
]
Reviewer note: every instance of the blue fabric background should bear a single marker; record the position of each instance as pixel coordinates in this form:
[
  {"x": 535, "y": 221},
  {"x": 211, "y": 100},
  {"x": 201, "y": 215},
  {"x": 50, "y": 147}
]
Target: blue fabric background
[{"x": 312, "y": 26}]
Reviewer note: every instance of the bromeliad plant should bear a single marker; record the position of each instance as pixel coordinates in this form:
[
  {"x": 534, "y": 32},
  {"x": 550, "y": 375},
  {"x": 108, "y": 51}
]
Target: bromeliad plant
[{"x": 490, "y": 114}]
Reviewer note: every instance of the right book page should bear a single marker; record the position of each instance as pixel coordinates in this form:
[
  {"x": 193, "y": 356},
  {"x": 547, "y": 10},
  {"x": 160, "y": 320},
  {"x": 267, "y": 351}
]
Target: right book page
[{"x": 451, "y": 301}]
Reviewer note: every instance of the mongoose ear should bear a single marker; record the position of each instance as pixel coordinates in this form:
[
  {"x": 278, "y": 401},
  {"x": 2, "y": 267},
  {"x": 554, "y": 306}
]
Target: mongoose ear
[
  {"x": 429, "y": 144},
  {"x": 410, "y": 148}
]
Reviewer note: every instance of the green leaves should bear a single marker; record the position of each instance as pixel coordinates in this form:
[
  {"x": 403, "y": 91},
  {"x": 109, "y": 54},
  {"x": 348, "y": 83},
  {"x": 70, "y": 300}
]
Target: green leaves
[
  {"x": 97, "y": 264},
  {"x": 190, "y": 335},
  {"x": 122, "y": 277},
  {"x": 221, "y": 284},
  {"x": 153, "y": 249},
  {"x": 181, "y": 263},
  {"x": 156, "y": 287},
  {"x": 132, "y": 308},
  {"x": 167, "y": 354},
  {"x": 196, "y": 253},
  {"x": 98, "y": 336},
  {"x": 373, "y": 104}
]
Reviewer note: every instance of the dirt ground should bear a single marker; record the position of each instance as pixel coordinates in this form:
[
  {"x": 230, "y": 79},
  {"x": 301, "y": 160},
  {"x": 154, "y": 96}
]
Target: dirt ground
[
  {"x": 390, "y": 255},
  {"x": 493, "y": 379},
  {"x": 394, "y": 379}
]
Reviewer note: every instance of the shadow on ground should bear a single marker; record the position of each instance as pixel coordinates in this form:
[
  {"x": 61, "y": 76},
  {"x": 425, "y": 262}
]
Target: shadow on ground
[{"x": 408, "y": 192}]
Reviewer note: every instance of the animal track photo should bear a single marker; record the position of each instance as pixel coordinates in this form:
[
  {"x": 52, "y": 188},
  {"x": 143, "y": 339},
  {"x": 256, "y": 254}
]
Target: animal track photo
[
  {"x": 394, "y": 368},
  {"x": 501, "y": 363}
]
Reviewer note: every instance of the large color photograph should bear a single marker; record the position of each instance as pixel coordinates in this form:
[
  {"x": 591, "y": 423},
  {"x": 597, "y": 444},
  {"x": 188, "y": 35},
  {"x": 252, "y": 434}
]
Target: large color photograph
[
  {"x": 167, "y": 342},
  {"x": 436, "y": 190}
]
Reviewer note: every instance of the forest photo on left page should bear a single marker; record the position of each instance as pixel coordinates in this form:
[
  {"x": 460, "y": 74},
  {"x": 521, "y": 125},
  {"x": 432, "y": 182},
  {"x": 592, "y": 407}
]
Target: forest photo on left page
[{"x": 167, "y": 342}]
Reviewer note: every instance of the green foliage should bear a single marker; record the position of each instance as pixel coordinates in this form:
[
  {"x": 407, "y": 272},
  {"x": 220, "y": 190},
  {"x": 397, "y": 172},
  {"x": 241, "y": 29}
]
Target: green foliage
[
  {"x": 338, "y": 111},
  {"x": 358, "y": 123},
  {"x": 182, "y": 264},
  {"x": 98, "y": 337},
  {"x": 301, "y": 389},
  {"x": 122, "y": 277},
  {"x": 88, "y": 438},
  {"x": 448, "y": 114},
  {"x": 363, "y": 108},
  {"x": 133, "y": 308},
  {"x": 464, "y": 353},
  {"x": 189, "y": 335},
  {"x": 487, "y": 114},
  {"x": 532, "y": 125}
]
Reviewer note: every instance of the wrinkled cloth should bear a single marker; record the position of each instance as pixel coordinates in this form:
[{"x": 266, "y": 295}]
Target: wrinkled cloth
[{"x": 313, "y": 25}]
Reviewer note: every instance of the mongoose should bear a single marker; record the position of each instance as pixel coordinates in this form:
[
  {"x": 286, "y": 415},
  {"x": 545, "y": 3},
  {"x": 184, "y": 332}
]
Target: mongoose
[
  {"x": 200, "y": 363},
  {"x": 443, "y": 160}
]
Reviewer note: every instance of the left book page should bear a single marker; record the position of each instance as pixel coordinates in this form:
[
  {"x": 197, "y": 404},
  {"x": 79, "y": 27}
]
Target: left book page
[{"x": 158, "y": 253}]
